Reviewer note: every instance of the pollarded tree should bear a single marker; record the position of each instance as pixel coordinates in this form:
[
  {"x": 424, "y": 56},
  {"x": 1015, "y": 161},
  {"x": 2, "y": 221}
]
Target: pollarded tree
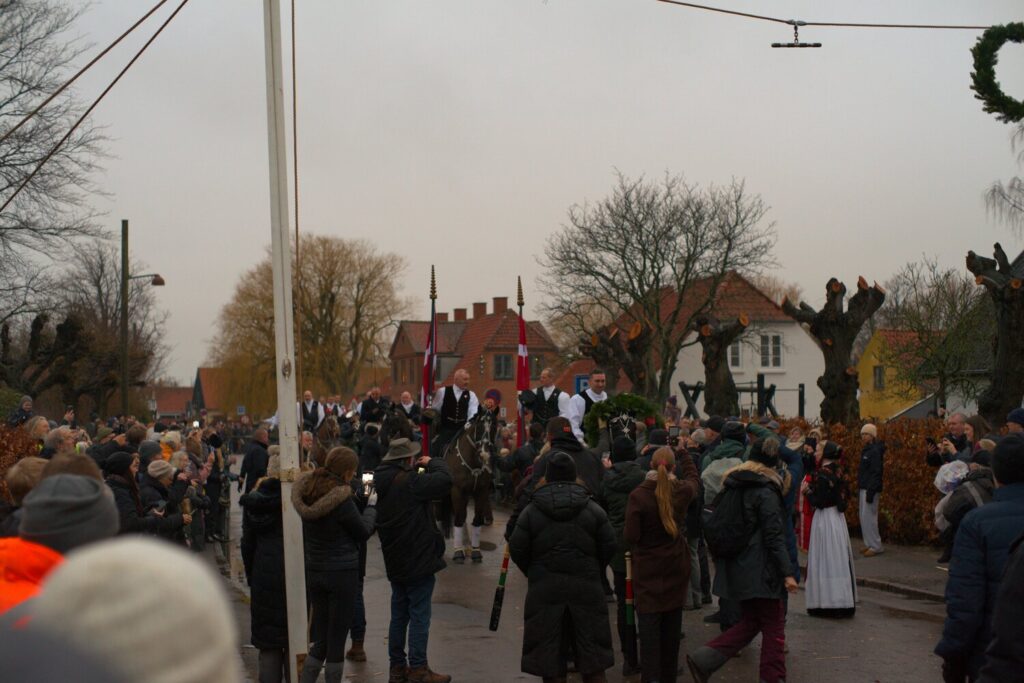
[
  {"x": 720, "y": 395},
  {"x": 1006, "y": 289},
  {"x": 835, "y": 330},
  {"x": 651, "y": 257}
]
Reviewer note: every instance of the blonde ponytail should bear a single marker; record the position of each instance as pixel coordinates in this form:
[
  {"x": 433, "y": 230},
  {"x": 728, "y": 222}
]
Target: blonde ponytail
[{"x": 663, "y": 459}]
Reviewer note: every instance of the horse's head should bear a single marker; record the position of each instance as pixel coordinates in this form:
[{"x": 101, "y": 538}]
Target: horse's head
[
  {"x": 329, "y": 430},
  {"x": 482, "y": 430},
  {"x": 622, "y": 424}
]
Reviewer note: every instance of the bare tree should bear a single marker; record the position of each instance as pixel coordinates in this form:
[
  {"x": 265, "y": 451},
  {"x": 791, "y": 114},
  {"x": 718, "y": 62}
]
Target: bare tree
[
  {"x": 651, "y": 257},
  {"x": 1006, "y": 200},
  {"x": 946, "y": 321},
  {"x": 775, "y": 288}
]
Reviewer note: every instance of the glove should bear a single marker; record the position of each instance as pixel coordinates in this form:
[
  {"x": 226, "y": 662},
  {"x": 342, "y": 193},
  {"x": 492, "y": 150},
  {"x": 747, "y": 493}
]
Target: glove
[{"x": 372, "y": 500}]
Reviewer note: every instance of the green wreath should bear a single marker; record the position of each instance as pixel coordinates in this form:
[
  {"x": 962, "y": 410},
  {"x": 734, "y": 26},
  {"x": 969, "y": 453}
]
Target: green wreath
[
  {"x": 637, "y": 406},
  {"x": 985, "y": 86}
]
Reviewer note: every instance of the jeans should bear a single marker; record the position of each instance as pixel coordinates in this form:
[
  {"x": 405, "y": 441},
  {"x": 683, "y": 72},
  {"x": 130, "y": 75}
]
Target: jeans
[
  {"x": 762, "y": 616},
  {"x": 359, "y": 615},
  {"x": 331, "y": 597},
  {"x": 410, "y": 612},
  {"x": 629, "y": 653},
  {"x": 659, "y": 645}
]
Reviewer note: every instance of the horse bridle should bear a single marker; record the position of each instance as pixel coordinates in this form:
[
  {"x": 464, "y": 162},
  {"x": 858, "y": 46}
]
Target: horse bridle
[{"x": 482, "y": 447}]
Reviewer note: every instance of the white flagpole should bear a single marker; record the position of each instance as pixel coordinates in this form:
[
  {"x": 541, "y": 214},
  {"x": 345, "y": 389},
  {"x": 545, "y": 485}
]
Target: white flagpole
[{"x": 294, "y": 561}]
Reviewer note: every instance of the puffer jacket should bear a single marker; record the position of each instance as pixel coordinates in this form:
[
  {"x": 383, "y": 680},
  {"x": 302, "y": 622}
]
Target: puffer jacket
[
  {"x": 332, "y": 527},
  {"x": 618, "y": 483},
  {"x": 980, "y": 554},
  {"x": 23, "y": 567},
  {"x": 263, "y": 558},
  {"x": 1004, "y": 658},
  {"x": 872, "y": 463},
  {"x": 978, "y": 482},
  {"x": 760, "y": 570},
  {"x": 561, "y": 542}
]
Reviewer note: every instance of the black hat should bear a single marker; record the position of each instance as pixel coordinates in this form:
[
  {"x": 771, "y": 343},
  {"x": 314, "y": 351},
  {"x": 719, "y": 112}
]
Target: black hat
[
  {"x": 159, "y": 427},
  {"x": 734, "y": 430},
  {"x": 561, "y": 467},
  {"x": 811, "y": 441},
  {"x": 118, "y": 463},
  {"x": 658, "y": 437},
  {"x": 832, "y": 451},
  {"x": 1008, "y": 460},
  {"x": 765, "y": 451},
  {"x": 983, "y": 458},
  {"x": 623, "y": 449},
  {"x": 714, "y": 423}
]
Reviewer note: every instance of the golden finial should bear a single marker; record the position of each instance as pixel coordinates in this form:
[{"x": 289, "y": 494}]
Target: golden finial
[
  {"x": 433, "y": 285},
  {"x": 519, "y": 291}
]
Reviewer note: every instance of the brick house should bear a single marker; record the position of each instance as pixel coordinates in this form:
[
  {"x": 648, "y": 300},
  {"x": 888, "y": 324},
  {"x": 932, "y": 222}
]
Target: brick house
[{"x": 484, "y": 343}]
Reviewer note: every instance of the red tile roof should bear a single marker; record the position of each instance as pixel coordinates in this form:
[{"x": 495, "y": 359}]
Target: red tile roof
[
  {"x": 735, "y": 295},
  {"x": 448, "y": 334},
  {"x": 214, "y": 384},
  {"x": 171, "y": 399}
]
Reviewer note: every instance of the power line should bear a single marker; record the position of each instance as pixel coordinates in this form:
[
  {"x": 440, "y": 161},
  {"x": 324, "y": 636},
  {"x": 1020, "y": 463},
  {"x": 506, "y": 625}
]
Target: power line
[
  {"x": 81, "y": 71},
  {"x": 831, "y": 24},
  {"x": 92, "y": 106}
]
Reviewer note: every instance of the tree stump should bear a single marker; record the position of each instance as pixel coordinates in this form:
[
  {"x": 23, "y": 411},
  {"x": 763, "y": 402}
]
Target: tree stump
[
  {"x": 835, "y": 331},
  {"x": 720, "y": 395},
  {"x": 1006, "y": 384}
]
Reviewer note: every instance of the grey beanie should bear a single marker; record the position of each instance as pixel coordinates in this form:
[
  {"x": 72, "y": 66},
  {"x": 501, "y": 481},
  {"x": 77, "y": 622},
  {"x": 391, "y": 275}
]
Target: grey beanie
[
  {"x": 148, "y": 448},
  {"x": 67, "y": 510}
]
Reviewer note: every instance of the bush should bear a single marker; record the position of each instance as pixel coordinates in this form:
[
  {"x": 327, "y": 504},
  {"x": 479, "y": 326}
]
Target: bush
[
  {"x": 15, "y": 444},
  {"x": 907, "y": 506}
]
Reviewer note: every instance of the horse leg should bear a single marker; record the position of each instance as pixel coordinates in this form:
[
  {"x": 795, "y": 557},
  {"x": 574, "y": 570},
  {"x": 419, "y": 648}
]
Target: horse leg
[
  {"x": 459, "y": 503},
  {"x": 481, "y": 512}
]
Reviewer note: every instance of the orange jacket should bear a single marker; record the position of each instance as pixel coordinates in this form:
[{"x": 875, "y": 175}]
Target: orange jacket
[{"x": 23, "y": 566}]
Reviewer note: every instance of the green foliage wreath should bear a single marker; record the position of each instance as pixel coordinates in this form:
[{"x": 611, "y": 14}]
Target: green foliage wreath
[
  {"x": 985, "y": 86},
  {"x": 637, "y": 406}
]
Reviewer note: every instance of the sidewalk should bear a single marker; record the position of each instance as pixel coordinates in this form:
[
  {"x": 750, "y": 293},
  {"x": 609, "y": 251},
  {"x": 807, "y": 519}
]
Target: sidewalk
[{"x": 911, "y": 571}]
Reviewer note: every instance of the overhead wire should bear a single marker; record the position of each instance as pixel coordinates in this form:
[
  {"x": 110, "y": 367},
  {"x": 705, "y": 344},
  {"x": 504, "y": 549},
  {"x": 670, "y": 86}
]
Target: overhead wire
[
  {"x": 81, "y": 71},
  {"x": 827, "y": 24},
  {"x": 92, "y": 106}
]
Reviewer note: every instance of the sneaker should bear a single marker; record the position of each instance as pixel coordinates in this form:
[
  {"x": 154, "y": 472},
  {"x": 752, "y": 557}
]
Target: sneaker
[
  {"x": 476, "y": 556},
  {"x": 872, "y": 553},
  {"x": 399, "y": 674},
  {"x": 423, "y": 674},
  {"x": 459, "y": 557},
  {"x": 356, "y": 653}
]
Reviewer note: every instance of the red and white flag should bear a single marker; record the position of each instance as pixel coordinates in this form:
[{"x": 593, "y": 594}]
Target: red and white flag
[
  {"x": 522, "y": 378},
  {"x": 429, "y": 368}
]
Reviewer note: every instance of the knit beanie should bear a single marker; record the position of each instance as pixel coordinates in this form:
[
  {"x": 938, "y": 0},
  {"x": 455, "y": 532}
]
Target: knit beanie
[
  {"x": 158, "y": 469},
  {"x": 149, "y": 449},
  {"x": 869, "y": 429},
  {"x": 765, "y": 451},
  {"x": 734, "y": 431},
  {"x": 66, "y": 510},
  {"x": 164, "y": 619},
  {"x": 623, "y": 449},
  {"x": 118, "y": 463},
  {"x": 1007, "y": 460},
  {"x": 1017, "y": 416},
  {"x": 561, "y": 467},
  {"x": 658, "y": 437}
]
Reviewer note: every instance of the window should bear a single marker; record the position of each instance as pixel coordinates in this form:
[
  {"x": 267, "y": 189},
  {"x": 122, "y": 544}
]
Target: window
[
  {"x": 771, "y": 350},
  {"x": 394, "y": 371},
  {"x": 536, "y": 365},
  {"x": 735, "y": 356},
  {"x": 503, "y": 366},
  {"x": 879, "y": 371}
]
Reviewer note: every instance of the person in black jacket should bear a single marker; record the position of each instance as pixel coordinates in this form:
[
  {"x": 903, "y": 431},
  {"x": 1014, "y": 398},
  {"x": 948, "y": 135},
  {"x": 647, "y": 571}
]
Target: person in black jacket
[
  {"x": 869, "y": 485},
  {"x": 332, "y": 529},
  {"x": 370, "y": 449},
  {"x": 562, "y": 542},
  {"x": 120, "y": 470},
  {"x": 21, "y": 414},
  {"x": 589, "y": 468},
  {"x": 254, "y": 462},
  {"x": 161, "y": 493},
  {"x": 1004, "y": 659},
  {"x": 263, "y": 558},
  {"x": 413, "y": 549}
]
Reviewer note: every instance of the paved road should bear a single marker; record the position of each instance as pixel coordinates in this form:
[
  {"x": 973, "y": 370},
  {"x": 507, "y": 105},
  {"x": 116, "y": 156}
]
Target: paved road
[{"x": 890, "y": 639}]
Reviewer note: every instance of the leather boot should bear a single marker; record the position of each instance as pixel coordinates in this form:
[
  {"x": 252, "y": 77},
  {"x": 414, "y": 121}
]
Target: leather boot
[
  {"x": 705, "y": 661},
  {"x": 423, "y": 674},
  {"x": 399, "y": 673},
  {"x": 311, "y": 669},
  {"x": 333, "y": 671},
  {"x": 356, "y": 653}
]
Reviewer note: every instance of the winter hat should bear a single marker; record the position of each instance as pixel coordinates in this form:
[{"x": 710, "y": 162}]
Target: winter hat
[
  {"x": 158, "y": 469},
  {"x": 561, "y": 467},
  {"x": 765, "y": 451},
  {"x": 118, "y": 463},
  {"x": 159, "y": 428},
  {"x": 831, "y": 451},
  {"x": 103, "y": 432},
  {"x": 623, "y": 449},
  {"x": 869, "y": 429},
  {"x": 734, "y": 430},
  {"x": 24, "y": 399},
  {"x": 1007, "y": 460},
  {"x": 126, "y": 622},
  {"x": 658, "y": 437},
  {"x": 494, "y": 395},
  {"x": 714, "y": 423},
  {"x": 66, "y": 510},
  {"x": 983, "y": 458},
  {"x": 215, "y": 441},
  {"x": 1016, "y": 415},
  {"x": 274, "y": 467},
  {"x": 148, "y": 449}
]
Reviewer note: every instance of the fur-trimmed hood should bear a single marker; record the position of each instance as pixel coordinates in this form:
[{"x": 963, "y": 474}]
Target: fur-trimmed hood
[
  {"x": 753, "y": 472},
  {"x": 322, "y": 506}
]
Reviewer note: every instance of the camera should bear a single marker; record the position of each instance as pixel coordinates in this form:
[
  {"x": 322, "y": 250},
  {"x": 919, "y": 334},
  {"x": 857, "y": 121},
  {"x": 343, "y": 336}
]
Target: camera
[{"x": 367, "y": 483}]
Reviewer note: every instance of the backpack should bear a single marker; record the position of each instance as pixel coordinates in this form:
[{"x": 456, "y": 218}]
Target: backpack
[{"x": 727, "y": 531}]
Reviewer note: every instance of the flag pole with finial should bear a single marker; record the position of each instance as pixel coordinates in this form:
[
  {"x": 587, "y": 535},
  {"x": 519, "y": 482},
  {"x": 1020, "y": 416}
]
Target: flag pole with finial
[
  {"x": 523, "y": 378},
  {"x": 429, "y": 359}
]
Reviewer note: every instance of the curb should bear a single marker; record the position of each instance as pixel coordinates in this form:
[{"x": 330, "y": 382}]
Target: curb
[{"x": 892, "y": 587}]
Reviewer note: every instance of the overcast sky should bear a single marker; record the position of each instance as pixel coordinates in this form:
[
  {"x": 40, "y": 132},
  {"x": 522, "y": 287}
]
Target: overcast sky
[{"x": 458, "y": 132}]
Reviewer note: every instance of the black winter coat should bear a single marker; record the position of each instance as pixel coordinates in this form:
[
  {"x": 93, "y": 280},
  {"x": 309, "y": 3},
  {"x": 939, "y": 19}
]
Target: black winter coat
[
  {"x": 562, "y": 541},
  {"x": 1005, "y": 654},
  {"x": 263, "y": 558},
  {"x": 761, "y": 569},
  {"x": 589, "y": 469},
  {"x": 618, "y": 483},
  {"x": 128, "y": 512},
  {"x": 869, "y": 475},
  {"x": 412, "y": 545},
  {"x": 254, "y": 464},
  {"x": 332, "y": 527},
  {"x": 370, "y": 453},
  {"x": 153, "y": 494}
]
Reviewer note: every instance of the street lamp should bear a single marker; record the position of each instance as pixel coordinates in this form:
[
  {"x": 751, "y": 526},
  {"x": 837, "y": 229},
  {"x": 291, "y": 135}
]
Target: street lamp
[{"x": 156, "y": 281}]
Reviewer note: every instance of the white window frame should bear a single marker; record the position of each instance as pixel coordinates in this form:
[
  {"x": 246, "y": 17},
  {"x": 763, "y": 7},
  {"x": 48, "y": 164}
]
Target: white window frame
[
  {"x": 772, "y": 338},
  {"x": 736, "y": 348}
]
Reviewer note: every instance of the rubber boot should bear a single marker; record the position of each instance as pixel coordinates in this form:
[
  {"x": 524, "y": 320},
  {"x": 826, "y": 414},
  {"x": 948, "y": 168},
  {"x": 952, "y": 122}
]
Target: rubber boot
[
  {"x": 356, "y": 653},
  {"x": 333, "y": 672},
  {"x": 705, "y": 661},
  {"x": 311, "y": 669}
]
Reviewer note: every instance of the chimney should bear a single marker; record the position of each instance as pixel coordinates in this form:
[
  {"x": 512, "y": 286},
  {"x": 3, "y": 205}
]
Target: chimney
[
  {"x": 479, "y": 310},
  {"x": 460, "y": 315},
  {"x": 500, "y": 304},
  {"x": 442, "y": 317}
]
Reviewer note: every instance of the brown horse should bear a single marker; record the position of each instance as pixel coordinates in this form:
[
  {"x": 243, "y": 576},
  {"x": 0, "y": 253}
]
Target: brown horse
[
  {"x": 328, "y": 435},
  {"x": 468, "y": 457}
]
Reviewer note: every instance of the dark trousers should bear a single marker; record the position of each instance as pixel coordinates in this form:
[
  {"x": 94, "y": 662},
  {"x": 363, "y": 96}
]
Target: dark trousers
[
  {"x": 659, "y": 645},
  {"x": 410, "y": 614},
  {"x": 762, "y": 616},
  {"x": 332, "y": 596},
  {"x": 705, "y": 570},
  {"x": 359, "y": 615},
  {"x": 273, "y": 666},
  {"x": 629, "y": 652}
]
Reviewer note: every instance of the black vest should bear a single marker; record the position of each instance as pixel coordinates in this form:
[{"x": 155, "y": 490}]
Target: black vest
[
  {"x": 328, "y": 410},
  {"x": 545, "y": 410},
  {"x": 372, "y": 411},
  {"x": 588, "y": 402},
  {"x": 310, "y": 417},
  {"x": 454, "y": 413}
]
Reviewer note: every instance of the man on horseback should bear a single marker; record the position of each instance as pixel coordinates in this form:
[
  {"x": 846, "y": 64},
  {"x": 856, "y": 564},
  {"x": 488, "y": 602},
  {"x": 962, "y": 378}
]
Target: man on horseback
[
  {"x": 456, "y": 405},
  {"x": 549, "y": 401},
  {"x": 581, "y": 403},
  {"x": 332, "y": 407},
  {"x": 311, "y": 413},
  {"x": 372, "y": 408},
  {"x": 410, "y": 408}
]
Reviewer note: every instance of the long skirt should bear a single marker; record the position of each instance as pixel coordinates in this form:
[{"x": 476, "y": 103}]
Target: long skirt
[{"x": 831, "y": 583}]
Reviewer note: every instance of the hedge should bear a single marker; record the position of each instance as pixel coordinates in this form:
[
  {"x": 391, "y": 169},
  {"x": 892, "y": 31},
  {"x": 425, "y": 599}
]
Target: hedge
[{"x": 15, "y": 444}]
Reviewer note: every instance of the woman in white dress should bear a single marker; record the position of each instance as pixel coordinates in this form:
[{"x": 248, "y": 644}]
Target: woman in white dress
[{"x": 831, "y": 584}]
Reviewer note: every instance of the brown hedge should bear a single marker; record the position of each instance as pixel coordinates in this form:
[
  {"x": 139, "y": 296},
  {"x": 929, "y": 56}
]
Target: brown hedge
[
  {"x": 907, "y": 505},
  {"x": 15, "y": 444}
]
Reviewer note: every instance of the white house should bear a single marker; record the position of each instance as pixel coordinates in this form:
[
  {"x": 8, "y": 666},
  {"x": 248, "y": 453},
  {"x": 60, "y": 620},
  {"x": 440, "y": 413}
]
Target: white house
[{"x": 774, "y": 345}]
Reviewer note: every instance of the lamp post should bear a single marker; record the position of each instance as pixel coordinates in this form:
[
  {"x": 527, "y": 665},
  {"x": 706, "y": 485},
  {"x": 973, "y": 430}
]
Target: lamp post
[{"x": 156, "y": 281}]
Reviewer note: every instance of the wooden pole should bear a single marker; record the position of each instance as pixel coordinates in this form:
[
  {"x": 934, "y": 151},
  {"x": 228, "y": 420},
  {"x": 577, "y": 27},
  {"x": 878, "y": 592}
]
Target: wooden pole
[{"x": 294, "y": 563}]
